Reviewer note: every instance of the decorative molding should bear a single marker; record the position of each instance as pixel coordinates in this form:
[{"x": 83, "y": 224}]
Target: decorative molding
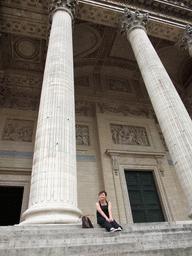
[
  {"x": 115, "y": 160},
  {"x": 163, "y": 141},
  {"x": 19, "y": 26},
  {"x": 82, "y": 135},
  {"x": 25, "y": 48},
  {"x": 125, "y": 110},
  {"x": 129, "y": 135},
  {"x": 182, "y": 3},
  {"x": 18, "y": 130},
  {"x": 30, "y": 4},
  {"x": 124, "y": 153},
  {"x": 160, "y": 165}
]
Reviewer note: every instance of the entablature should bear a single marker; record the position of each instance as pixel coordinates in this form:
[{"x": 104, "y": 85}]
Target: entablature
[{"x": 167, "y": 19}]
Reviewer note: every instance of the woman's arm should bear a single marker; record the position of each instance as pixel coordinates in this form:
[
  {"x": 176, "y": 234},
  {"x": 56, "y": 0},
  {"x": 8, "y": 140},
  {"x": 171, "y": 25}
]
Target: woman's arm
[
  {"x": 101, "y": 212},
  {"x": 110, "y": 212}
]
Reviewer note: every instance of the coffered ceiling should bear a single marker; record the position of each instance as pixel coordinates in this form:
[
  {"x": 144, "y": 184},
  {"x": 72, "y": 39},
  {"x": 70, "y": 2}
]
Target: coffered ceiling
[{"x": 99, "y": 52}]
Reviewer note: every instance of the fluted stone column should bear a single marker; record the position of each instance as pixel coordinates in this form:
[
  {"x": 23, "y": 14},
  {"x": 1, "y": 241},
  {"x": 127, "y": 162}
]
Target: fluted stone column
[
  {"x": 53, "y": 194},
  {"x": 173, "y": 118}
]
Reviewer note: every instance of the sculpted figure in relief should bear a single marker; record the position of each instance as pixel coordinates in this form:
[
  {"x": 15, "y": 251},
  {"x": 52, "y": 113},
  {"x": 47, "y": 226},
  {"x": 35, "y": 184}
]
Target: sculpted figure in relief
[
  {"x": 17, "y": 130},
  {"x": 129, "y": 135},
  {"x": 82, "y": 135}
]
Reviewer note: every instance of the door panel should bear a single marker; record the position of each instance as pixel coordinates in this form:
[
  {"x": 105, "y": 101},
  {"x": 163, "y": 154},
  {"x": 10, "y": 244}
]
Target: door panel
[{"x": 144, "y": 199}]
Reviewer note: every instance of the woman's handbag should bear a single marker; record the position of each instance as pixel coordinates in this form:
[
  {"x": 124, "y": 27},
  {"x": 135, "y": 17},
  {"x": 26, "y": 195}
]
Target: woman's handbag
[{"x": 86, "y": 222}]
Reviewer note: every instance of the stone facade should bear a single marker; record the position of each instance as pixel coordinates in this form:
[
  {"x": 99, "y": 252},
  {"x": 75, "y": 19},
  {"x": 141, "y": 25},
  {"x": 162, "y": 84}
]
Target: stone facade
[{"x": 123, "y": 115}]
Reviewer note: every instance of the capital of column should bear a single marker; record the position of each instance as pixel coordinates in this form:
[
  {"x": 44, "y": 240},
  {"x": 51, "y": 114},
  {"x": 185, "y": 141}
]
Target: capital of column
[
  {"x": 67, "y": 5},
  {"x": 185, "y": 43},
  {"x": 134, "y": 20}
]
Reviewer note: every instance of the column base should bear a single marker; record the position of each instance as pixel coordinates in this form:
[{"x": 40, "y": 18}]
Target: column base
[{"x": 51, "y": 215}]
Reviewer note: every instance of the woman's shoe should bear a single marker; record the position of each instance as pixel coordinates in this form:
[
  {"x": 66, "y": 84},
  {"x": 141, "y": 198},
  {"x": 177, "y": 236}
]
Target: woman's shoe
[
  {"x": 112, "y": 230},
  {"x": 118, "y": 229}
]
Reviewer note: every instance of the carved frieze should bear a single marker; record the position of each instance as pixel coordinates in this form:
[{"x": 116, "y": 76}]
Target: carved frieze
[
  {"x": 129, "y": 135},
  {"x": 24, "y": 103},
  {"x": 18, "y": 130},
  {"x": 82, "y": 135},
  {"x": 3, "y": 87},
  {"x": 84, "y": 108},
  {"x": 24, "y": 80},
  {"x": 125, "y": 110}
]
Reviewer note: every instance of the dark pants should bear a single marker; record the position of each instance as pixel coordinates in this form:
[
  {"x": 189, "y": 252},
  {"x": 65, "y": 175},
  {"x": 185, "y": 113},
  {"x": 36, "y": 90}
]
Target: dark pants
[{"x": 108, "y": 225}]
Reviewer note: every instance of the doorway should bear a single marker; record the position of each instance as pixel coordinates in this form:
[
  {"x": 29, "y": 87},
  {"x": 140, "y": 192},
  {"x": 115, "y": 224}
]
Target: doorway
[
  {"x": 143, "y": 195},
  {"x": 10, "y": 204}
]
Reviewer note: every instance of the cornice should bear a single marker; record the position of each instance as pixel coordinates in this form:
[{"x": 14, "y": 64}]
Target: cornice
[
  {"x": 115, "y": 152},
  {"x": 171, "y": 7}
]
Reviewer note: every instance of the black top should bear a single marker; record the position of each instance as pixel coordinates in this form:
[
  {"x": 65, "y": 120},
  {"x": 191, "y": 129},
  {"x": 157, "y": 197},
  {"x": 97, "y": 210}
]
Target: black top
[{"x": 104, "y": 208}]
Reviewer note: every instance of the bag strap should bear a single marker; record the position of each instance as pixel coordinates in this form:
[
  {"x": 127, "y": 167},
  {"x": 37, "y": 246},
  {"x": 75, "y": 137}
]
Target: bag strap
[{"x": 88, "y": 215}]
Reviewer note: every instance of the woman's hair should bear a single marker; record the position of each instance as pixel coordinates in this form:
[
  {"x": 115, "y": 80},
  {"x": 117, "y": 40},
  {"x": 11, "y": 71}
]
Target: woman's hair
[{"x": 103, "y": 191}]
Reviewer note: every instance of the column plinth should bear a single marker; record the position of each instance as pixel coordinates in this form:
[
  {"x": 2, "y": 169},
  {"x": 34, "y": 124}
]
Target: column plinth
[
  {"x": 53, "y": 193},
  {"x": 171, "y": 113}
]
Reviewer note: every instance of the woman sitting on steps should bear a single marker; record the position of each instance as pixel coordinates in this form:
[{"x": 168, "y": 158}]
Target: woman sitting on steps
[{"x": 104, "y": 214}]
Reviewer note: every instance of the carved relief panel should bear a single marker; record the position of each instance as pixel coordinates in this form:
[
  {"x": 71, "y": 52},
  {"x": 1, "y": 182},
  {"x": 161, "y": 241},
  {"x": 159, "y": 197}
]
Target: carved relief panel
[
  {"x": 82, "y": 135},
  {"x": 129, "y": 135},
  {"x": 118, "y": 85},
  {"x": 18, "y": 130}
]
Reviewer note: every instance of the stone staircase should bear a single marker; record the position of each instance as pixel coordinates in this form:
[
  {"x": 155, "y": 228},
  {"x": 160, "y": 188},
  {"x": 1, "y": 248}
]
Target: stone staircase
[{"x": 167, "y": 239}]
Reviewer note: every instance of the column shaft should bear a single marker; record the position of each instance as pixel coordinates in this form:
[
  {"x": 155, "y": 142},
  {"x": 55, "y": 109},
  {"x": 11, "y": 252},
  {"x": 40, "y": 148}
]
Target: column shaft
[
  {"x": 173, "y": 118},
  {"x": 53, "y": 195}
]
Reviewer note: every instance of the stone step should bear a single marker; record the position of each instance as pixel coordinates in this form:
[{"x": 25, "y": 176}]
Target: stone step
[
  {"x": 73, "y": 240},
  {"x": 167, "y": 248}
]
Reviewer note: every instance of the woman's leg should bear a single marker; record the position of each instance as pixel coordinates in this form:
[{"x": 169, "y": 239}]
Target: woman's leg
[
  {"x": 115, "y": 224},
  {"x": 105, "y": 224}
]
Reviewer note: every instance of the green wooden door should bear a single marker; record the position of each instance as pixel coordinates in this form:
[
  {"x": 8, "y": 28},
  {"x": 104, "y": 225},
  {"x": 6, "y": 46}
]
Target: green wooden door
[{"x": 144, "y": 199}]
